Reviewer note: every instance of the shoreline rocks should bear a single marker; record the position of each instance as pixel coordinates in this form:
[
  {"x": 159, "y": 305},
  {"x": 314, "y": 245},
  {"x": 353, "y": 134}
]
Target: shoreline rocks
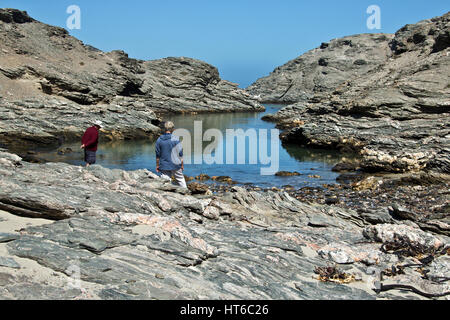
[
  {"x": 287, "y": 174},
  {"x": 323, "y": 69},
  {"x": 393, "y": 111},
  {"x": 133, "y": 235},
  {"x": 52, "y": 85}
]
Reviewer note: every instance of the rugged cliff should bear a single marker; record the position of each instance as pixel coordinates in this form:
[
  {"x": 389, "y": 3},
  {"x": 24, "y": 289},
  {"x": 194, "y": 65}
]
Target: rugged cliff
[
  {"x": 52, "y": 85},
  {"x": 393, "y": 110},
  {"x": 323, "y": 69}
]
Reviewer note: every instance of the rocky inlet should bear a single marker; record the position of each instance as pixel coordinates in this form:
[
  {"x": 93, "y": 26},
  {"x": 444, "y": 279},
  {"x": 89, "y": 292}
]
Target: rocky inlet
[
  {"x": 52, "y": 84},
  {"x": 385, "y": 97},
  {"x": 70, "y": 232}
]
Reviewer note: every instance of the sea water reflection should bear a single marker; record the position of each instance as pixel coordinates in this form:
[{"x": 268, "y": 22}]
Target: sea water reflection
[{"x": 314, "y": 165}]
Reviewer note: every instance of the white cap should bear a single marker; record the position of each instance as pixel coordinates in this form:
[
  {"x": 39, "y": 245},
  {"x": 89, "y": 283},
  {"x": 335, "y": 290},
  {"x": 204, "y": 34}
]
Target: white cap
[{"x": 98, "y": 123}]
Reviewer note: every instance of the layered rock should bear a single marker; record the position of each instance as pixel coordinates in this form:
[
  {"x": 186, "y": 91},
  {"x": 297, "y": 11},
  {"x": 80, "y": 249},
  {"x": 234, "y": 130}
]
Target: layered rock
[
  {"x": 31, "y": 122},
  {"x": 395, "y": 115},
  {"x": 51, "y": 84},
  {"x": 323, "y": 69},
  {"x": 133, "y": 235}
]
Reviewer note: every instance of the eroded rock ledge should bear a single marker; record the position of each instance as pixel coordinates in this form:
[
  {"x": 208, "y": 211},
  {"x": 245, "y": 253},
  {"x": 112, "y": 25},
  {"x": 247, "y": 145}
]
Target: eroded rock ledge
[{"x": 132, "y": 235}]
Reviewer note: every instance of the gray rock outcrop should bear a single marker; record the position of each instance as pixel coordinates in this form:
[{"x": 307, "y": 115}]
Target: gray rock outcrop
[
  {"x": 323, "y": 69},
  {"x": 132, "y": 235},
  {"x": 114, "y": 234},
  {"x": 394, "y": 113},
  {"x": 52, "y": 85}
]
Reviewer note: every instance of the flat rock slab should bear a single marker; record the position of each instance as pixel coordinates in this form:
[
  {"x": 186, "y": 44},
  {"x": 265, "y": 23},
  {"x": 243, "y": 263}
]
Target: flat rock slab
[
  {"x": 259, "y": 265},
  {"x": 9, "y": 262}
]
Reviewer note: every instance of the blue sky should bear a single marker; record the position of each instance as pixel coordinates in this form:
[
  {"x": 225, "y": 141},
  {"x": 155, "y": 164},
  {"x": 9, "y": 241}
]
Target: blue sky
[{"x": 244, "y": 39}]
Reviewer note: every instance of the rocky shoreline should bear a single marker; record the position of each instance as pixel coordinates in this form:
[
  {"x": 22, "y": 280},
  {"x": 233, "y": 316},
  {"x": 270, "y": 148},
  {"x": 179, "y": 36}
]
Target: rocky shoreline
[
  {"x": 168, "y": 244},
  {"x": 387, "y": 99},
  {"x": 423, "y": 199},
  {"x": 52, "y": 85},
  {"x": 392, "y": 110}
]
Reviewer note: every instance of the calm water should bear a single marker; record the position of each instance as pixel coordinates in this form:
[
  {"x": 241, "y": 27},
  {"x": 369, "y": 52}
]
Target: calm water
[{"x": 133, "y": 155}]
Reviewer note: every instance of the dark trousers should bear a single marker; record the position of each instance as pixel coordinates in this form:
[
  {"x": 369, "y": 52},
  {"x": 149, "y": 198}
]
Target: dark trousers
[{"x": 90, "y": 156}]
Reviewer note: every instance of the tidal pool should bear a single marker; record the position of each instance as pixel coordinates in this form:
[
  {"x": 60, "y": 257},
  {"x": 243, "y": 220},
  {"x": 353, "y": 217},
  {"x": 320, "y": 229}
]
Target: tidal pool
[{"x": 314, "y": 165}]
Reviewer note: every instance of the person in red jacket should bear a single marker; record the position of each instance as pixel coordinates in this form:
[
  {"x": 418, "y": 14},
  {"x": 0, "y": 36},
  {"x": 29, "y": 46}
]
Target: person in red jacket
[{"x": 89, "y": 142}]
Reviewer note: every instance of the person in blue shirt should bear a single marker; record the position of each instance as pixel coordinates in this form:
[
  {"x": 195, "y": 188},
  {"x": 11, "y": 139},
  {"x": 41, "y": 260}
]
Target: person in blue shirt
[{"x": 169, "y": 156}]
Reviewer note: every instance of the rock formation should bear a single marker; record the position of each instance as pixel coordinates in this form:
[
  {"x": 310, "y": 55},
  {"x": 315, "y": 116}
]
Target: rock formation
[
  {"x": 133, "y": 235},
  {"x": 52, "y": 85},
  {"x": 323, "y": 69},
  {"x": 393, "y": 110}
]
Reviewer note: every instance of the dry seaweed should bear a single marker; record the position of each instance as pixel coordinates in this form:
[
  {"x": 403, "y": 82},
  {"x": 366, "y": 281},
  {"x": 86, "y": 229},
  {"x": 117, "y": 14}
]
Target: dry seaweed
[
  {"x": 403, "y": 247},
  {"x": 333, "y": 274},
  {"x": 393, "y": 271}
]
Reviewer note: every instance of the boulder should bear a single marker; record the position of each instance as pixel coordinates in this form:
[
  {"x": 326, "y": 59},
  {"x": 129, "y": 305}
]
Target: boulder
[
  {"x": 198, "y": 188},
  {"x": 390, "y": 232},
  {"x": 287, "y": 174}
]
